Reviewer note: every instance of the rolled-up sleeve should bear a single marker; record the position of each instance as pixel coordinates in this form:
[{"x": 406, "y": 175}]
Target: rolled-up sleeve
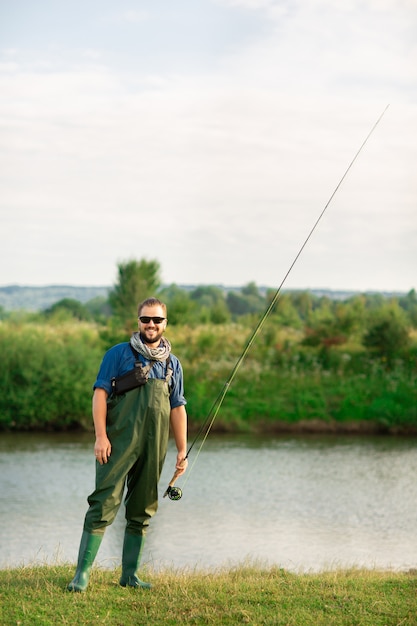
[
  {"x": 177, "y": 389},
  {"x": 116, "y": 361}
]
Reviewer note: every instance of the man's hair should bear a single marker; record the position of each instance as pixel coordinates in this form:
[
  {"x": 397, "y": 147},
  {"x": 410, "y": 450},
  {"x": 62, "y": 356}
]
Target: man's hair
[{"x": 152, "y": 302}]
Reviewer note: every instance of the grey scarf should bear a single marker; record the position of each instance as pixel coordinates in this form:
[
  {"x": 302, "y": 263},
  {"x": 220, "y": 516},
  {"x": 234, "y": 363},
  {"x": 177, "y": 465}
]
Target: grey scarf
[{"x": 161, "y": 353}]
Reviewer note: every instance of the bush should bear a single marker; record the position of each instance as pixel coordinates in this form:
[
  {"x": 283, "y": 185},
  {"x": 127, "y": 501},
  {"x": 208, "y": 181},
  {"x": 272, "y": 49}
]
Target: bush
[
  {"x": 387, "y": 335},
  {"x": 48, "y": 374}
]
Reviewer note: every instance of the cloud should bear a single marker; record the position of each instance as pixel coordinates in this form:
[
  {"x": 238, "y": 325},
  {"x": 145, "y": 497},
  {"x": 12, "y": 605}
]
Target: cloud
[
  {"x": 221, "y": 173},
  {"x": 129, "y": 16}
]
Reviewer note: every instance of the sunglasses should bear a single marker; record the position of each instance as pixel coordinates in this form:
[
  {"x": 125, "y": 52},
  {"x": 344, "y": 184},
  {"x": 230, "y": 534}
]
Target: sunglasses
[{"x": 145, "y": 319}]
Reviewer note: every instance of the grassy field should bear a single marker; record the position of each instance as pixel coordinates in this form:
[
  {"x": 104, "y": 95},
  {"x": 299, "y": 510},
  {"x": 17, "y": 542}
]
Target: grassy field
[{"x": 243, "y": 595}]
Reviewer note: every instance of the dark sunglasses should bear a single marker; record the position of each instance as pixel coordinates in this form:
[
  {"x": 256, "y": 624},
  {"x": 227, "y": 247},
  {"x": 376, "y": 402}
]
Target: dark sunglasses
[{"x": 145, "y": 319}]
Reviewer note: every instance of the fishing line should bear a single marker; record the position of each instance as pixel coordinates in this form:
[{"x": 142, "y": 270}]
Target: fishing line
[{"x": 175, "y": 493}]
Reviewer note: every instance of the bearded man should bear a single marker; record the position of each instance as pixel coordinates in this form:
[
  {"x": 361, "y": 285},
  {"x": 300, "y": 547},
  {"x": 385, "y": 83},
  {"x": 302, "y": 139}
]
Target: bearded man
[{"x": 138, "y": 395}]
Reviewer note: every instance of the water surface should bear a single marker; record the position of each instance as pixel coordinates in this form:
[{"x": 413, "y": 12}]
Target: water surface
[{"x": 302, "y": 503}]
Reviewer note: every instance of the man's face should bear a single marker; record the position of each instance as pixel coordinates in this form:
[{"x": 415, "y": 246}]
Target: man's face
[{"x": 152, "y": 331}]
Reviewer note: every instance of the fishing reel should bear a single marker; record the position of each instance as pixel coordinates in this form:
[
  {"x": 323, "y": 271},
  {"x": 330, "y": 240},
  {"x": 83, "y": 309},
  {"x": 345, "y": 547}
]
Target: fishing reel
[{"x": 173, "y": 493}]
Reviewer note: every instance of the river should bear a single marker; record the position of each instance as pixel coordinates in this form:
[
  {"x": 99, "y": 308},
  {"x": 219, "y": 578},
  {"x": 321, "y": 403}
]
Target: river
[{"x": 302, "y": 503}]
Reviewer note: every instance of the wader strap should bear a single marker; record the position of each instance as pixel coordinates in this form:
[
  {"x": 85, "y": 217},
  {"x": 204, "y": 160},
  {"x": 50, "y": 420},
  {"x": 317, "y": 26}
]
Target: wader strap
[{"x": 168, "y": 369}]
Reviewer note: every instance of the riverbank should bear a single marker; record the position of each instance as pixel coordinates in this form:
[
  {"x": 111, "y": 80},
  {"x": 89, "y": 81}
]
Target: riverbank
[
  {"x": 310, "y": 427},
  {"x": 261, "y": 427},
  {"x": 244, "y": 595}
]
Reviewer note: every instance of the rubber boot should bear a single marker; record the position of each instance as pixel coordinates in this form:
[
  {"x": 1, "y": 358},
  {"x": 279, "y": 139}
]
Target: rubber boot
[
  {"x": 89, "y": 546},
  {"x": 132, "y": 549}
]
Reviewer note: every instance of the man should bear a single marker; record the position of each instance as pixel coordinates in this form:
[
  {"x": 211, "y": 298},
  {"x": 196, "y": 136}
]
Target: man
[{"x": 132, "y": 429}]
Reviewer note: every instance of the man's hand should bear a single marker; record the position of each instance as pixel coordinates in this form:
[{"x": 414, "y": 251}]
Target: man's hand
[
  {"x": 181, "y": 465},
  {"x": 102, "y": 449}
]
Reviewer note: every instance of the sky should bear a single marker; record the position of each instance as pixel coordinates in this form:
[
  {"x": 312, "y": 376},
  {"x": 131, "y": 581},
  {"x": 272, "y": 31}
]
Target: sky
[{"x": 209, "y": 135}]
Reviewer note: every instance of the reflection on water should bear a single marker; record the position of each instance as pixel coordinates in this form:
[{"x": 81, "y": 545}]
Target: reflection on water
[{"x": 302, "y": 503}]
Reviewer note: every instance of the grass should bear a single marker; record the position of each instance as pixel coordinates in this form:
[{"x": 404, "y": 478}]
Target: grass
[{"x": 243, "y": 595}]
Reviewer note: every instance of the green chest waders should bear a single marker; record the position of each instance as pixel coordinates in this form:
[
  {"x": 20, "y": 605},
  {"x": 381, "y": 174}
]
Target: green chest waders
[{"x": 138, "y": 430}]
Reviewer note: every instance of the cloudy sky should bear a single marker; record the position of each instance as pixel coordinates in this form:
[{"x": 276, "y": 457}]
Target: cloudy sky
[{"x": 209, "y": 135}]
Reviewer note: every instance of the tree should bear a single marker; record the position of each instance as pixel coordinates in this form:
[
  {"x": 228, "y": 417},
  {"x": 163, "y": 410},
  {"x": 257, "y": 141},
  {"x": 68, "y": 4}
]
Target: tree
[
  {"x": 181, "y": 309},
  {"x": 284, "y": 311},
  {"x": 251, "y": 289},
  {"x": 324, "y": 328},
  {"x": 207, "y": 295},
  {"x": 137, "y": 280},
  {"x": 99, "y": 308},
  {"x": 249, "y": 300},
  {"x": 237, "y": 304},
  {"x": 211, "y": 304},
  {"x": 387, "y": 334},
  {"x": 409, "y": 304},
  {"x": 69, "y": 308}
]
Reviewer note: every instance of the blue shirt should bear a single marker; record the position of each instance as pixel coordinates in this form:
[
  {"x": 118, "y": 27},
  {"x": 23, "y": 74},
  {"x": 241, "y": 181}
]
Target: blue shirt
[{"x": 120, "y": 359}]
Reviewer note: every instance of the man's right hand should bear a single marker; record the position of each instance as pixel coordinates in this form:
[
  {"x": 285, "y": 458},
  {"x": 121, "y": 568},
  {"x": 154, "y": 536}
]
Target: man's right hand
[{"x": 102, "y": 449}]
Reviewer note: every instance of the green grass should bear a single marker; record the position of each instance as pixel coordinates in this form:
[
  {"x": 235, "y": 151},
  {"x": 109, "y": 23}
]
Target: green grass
[{"x": 243, "y": 595}]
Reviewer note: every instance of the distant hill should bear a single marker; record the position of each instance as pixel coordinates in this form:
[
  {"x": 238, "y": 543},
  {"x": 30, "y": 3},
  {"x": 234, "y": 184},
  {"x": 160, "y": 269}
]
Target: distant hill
[{"x": 15, "y": 297}]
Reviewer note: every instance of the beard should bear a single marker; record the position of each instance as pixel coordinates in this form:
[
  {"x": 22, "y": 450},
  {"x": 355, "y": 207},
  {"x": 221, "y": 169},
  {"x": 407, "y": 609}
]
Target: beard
[{"x": 152, "y": 340}]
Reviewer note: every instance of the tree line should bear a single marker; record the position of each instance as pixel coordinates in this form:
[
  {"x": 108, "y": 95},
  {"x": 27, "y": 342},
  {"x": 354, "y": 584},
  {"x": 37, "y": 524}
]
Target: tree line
[
  {"x": 382, "y": 325},
  {"x": 316, "y": 358}
]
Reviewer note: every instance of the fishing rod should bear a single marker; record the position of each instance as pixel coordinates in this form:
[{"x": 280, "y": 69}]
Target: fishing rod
[{"x": 175, "y": 493}]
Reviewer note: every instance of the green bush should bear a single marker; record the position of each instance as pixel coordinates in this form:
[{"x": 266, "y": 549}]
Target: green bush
[
  {"x": 387, "y": 335},
  {"x": 48, "y": 372}
]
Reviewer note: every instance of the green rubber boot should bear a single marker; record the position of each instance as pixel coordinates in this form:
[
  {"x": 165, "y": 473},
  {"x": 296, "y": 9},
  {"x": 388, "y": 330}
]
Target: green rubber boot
[
  {"x": 87, "y": 553},
  {"x": 132, "y": 549}
]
